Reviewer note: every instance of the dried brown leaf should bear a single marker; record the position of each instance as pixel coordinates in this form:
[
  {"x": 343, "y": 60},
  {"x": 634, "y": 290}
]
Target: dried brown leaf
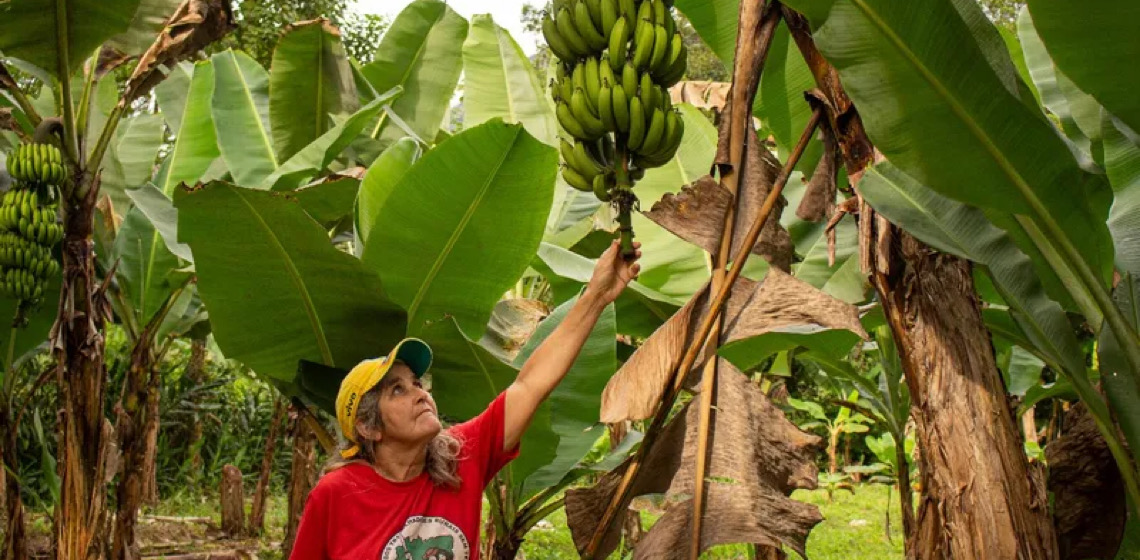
[
  {"x": 758, "y": 457},
  {"x": 701, "y": 94},
  {"x": 193, "y": 26},
  {"x": 818, "y": 202},
  {"x": 512, "y": 323},
  {"x": 752, "y": 309},
  {"x": 696, "y": 214}
]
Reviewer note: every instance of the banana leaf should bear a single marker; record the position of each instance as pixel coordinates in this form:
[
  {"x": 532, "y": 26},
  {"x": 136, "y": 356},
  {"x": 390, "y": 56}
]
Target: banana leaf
[
  {"x": 162, "y": 214},
  {"x": 422, "y": 52},
  {"x": 1122, "y": 162},
  {"x": 184, "y": 98},
  {"x": 314, "y": 158},
  {"x": 961, "y": 230},
  {"x": 32, "y": 30},
  {"x": 130, "y": 157},
  {"x": 1094, "y": 45},
  {"x": 947, "y": 108},
  {"x": 313, "y": 302},
  {"x": 500, "y": 81},
  {"x": 716, "y": 23},
  {"x": 241, "y": 114},
  {"x": 309, "y": 81},
  {"x": 379, "y": 182},
  {"x": 147, "y": 22},
  {"x": 574, "y": 404},
  {"x": 462, "y": 224},
  {"x": 148, "y": 273}
]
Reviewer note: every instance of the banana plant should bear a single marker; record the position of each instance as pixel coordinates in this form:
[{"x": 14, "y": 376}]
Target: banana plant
[
  {"x": 60, "y": 43},
  {"x": 844, "y": 422}
]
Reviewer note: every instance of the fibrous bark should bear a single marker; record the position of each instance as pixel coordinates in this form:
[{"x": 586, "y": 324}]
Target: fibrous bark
[
  {"x": 257, "y": 510},
  {"x": 232, "y": 499},
  {"x": 980, "y": 500},
  {"x": 1089, "y": 509},
  {"x": 15, "y": 537},
  {"x": 302, "y": 477}
]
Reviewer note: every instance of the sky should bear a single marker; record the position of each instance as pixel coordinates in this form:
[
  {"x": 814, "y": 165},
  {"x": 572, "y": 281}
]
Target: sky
[{"x": 505, "y": 13}]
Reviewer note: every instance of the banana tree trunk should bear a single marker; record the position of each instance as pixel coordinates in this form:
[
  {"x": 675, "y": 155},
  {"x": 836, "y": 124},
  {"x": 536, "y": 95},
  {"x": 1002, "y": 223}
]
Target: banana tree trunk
[
  {"x": 302, "y": 477},
  {"x": 196, "y": 373},
  {"x": 15, "y": 537},
  {"x": 906, "y": 494},
  {"x": 131, "y": 428},
  {"x": 980, "y": 500},
  {"x": 84, "y": 434},
  {"x": 150, "y": 456},
  {"x": 832, "y": 451},
  {"x": 257, "y": 511}
]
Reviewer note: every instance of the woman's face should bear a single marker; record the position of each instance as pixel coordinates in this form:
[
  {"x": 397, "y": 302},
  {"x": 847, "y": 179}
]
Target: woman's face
[{"x": 407, "y": 409}]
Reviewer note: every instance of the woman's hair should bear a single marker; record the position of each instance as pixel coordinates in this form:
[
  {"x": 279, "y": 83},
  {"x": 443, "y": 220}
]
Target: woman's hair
[{"x": 441, "y": 464}]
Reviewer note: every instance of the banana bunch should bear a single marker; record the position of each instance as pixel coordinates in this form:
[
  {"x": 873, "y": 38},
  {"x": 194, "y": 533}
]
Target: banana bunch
[
  {"x": 618, "y": 59},
  {"x": 20, "y": 212},
  {"x": 36, "y": 163},
  {"x": 29, "y": 225}
]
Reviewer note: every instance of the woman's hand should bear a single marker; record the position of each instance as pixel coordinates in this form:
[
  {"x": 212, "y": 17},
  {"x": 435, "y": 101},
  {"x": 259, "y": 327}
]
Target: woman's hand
[{"x": 612, "y": 273}]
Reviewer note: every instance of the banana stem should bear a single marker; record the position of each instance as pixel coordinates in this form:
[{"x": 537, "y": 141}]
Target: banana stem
[{"x": 625, "y": 200}]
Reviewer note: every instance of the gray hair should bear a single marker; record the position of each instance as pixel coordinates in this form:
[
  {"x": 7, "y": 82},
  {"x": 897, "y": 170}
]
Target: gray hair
[{"x": 441, "y": 464}]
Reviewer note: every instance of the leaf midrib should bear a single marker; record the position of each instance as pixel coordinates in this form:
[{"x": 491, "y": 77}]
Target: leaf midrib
[
  {"x": 460, "y": 228},
  {"x": 266, "y": 143},
  {"x": 298, "y": 281}
]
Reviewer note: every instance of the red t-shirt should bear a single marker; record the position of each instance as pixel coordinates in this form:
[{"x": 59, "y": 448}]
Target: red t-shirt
[{"x": 354, "y": 513}]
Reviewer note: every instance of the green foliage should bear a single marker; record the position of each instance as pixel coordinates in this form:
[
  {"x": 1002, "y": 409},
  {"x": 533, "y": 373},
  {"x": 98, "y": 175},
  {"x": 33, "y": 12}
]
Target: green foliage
[
  {"x": 260, "y": 25},
  {"x": 444, "y": 261}
]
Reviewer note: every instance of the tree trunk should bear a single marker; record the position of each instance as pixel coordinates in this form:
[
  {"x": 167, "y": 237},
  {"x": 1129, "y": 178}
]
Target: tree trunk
[
  {"x": 132, "y": 429},
  {"x": 1089, "y": 504},
  {"x": 196, "y": 373},
  {"x": 980, "y": 500},
  {"x": 302, "y": 477},
  {"x": 832, "y": 451},
  {"x": 85, "y": 436},
  {"x": 906, "y": 495},
  {"x": 232, "y": 498},
  {"x": 257, "y": 512},
  {"x": 506, "y": 547},
  {"x": 150, "y": 455},
  {"x": 15, "y": 536}
]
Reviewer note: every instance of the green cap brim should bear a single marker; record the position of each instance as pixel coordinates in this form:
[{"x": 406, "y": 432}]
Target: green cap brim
[{"x": 416, "y": 354}]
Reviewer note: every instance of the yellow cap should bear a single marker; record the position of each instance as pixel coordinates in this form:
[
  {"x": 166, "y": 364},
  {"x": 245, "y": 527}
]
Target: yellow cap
[{"x": 412, "y": 351}]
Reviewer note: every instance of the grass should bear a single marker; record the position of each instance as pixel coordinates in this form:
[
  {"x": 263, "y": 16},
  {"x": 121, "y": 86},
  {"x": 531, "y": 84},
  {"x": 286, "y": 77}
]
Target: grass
[{"x": 852, "y": 529}]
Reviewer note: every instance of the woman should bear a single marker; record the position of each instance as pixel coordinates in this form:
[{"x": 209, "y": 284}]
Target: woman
[{"x": 405, "y": 488}]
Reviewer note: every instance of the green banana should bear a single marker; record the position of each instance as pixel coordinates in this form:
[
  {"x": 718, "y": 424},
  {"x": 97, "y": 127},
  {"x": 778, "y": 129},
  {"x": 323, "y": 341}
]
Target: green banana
[
  {"x": 565, "y": 88},
  {"x": 629, "y": 80},
  {"x": 601, "y": 188},
  {"x": 584, "y": 162},
  {"x": 648, "y": 94},
  {"x": 654, "y": 133},
  {"x": 609, "y": 17},
  {"x": 566, "y": 150},
  {"x": 669, "y": 23},
  {"x": 593, "y": 82},
  {"x": 676, "y": 49},
  {"x": 605, "y": 107},
  {"x": 643, "y": 44},
  {"x": 619, "y": 40},
  {"x": 567, "y": 120},
  {"x": 660, "y": 46},
  {"x": 636, "y": 124},
  {"x": 586, "y": 28},
  {"x": 645, "y": 11},
  {"x": 574, "y": 179},
  {"x": 674, "y": 131},
  {"x": 564, "y": 23},
  {"x": 558, "y": 45},
  {"x": 595, "y": 8},
  {"x": 628, "y": 8},
  {"x": 620, "y": 105},
  {"x": 606, "y": 75},
  {"x": 658, "y": 12},
  {"x": 591, "y": 124}
]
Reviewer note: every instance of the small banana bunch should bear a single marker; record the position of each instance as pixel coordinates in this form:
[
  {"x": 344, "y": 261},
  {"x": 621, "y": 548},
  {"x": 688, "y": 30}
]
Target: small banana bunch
[
  {"x": 29, "y": 225},
  {"x": 617, "y": 60},
  {"x": 36, "y": 163}
]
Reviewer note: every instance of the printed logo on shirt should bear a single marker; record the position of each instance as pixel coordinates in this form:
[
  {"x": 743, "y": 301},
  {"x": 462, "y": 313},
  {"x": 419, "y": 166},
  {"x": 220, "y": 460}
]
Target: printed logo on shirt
[{"x": 427, "y": 538}]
